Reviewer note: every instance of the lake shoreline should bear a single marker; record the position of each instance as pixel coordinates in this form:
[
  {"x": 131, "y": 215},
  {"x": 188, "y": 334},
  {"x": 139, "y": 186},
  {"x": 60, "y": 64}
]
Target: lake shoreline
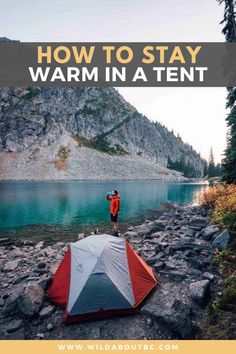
[
  {"x": 59, "y": 233},
  {"x": 178, "y": 244},
  {"x": 184, "y": 180},
  {"x": 79, "y": 204}
]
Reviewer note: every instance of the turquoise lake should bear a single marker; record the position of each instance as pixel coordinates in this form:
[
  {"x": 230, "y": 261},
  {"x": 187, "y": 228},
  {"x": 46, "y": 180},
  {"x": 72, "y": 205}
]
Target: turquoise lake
[{"x": 81, "y": 203}]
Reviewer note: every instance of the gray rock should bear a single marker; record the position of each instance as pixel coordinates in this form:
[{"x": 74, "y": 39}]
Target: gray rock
[
  {"x": 49, "y": 327},
  {"x": 6, "y": 241},
  {"x": 208, "y": 276},
  {"x": 158, "y": 265},
  {"x": 10, "y": 306},
  {"x": 39, "y": 245},
  {"x": 177, "y": 318},
  {"x": 46, "y": 311},
  {"x": 16, "y": 335},
  {"x": 59, "y": 245},
  {"x": 195, "y": 263},
  {"x": 41, "y": 268},
  {"x": 15, "y": 253},
  {"x": 200, "y": 291},
  {"x": 170, "y": 265},
  {"x": 45, "y": 283},
  {"x": 11, "y": 265},
  {"x": 31, "y": 299},
  {"x": 14, "y": 325},
  {"x": 187, "y": 231},
  {"x": 143, "y": 230},
  {"x": 160, "y": 225},
  {"x": 210, "y": 231},
  {"x": 176, "y": 275},
  {"x": 95, "y": 333},
  {"x": 130, "y": 234},
  {"x": 27, "y": 243},
  {"x": 198, "y": 221},
  {"x": 20, "y": 278},
  {"x": 162, "y": 245},
  {"x": 223, "y": 240}
]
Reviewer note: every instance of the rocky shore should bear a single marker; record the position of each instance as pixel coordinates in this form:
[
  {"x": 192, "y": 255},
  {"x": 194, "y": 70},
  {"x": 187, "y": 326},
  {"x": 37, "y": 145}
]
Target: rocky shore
[{"x": 179, "y": 245}]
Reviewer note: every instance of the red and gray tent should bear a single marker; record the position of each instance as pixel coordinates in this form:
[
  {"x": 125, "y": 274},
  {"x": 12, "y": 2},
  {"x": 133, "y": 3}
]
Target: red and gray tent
[{"x": 100, "y": 276}]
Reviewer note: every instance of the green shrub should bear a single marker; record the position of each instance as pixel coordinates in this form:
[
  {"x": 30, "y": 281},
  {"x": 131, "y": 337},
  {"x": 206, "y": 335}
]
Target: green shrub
[{"x": 100, "y": 144}]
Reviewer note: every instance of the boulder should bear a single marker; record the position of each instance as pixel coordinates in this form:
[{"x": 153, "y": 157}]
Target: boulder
[
  {"x": 160, "y": 225},
  {"x": 31, "y": 299},
  {"x": 207, "y": 275},
  {"x": 148, "y": 229},
  {"x": 194, "y": 263},
  {"x": 176, "y": 317},
  {"x": 131, "y": 234},
  {"x": 13, "y": 326},
  {"x": 16, "y": 335},
  {"x": 6, "y": 241},
  {"x": 11, "y": 265},
  {"x": 158, "y": 265},
  {"x": 158, "y": 235},
  {"x": 41, "y": 267},
  {"x": 210, "y": 231},
  {"x": 170, "y": 265},
  {"x": 10, "y": 306},
  {"x": 200, "y": 291},
  {"x": 39, "y": 245},
  {"x": 143, "y": 230},
  {"x": 19, "y": 278},
  {"x": 223, "y": 240},
  {"x": 151, "y": 260},
  {"x": 16, "y": 253},
  {"x": 186, "y": 231},
  {"x": 198, "y": 221},
  {"x": 176, "y": 275}
]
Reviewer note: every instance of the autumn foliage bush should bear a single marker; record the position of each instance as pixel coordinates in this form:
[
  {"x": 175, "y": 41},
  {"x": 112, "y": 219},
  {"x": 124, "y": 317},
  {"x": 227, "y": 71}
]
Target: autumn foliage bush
[{"x": 222, "y": 200}]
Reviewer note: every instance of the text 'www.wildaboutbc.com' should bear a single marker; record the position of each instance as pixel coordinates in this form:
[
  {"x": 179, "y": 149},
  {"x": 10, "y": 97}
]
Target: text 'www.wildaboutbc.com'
[{"x": 118, "y": 347}]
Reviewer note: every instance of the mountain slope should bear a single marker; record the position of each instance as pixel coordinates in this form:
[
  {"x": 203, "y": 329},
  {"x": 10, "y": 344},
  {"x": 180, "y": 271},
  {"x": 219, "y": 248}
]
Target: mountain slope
[{"x": 97, "y": 119}]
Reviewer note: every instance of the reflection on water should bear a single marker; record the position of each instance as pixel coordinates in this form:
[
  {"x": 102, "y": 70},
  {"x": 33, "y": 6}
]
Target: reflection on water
[{"x": 83, "y": 202}]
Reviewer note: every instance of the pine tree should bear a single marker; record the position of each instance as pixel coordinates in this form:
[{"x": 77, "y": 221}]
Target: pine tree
[
  {"x": 229, "y": 31},
  {"x": 205, "y": 171},
  {"x": 211, "y": 165},
  {"x": 229, "y": 162}
]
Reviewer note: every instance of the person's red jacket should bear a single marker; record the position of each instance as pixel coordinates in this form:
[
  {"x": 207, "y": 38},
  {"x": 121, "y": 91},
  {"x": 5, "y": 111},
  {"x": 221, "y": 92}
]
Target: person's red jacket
[{"x": 115, "y": 204}]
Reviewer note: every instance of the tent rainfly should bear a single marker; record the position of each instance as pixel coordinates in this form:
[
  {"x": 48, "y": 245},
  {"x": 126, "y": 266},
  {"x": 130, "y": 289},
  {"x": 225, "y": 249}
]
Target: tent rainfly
[{"x": 100, "y": 276}]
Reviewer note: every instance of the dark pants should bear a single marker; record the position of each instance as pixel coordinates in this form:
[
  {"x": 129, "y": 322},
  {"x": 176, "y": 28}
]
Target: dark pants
[{"x": 114, "y": 218}]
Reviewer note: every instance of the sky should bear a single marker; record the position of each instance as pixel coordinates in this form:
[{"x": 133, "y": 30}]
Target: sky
[{"x": 197, "y": 114}]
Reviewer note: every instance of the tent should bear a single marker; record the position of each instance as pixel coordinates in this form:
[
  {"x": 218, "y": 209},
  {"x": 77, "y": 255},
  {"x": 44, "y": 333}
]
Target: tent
[{"x": 100, "y": 276}]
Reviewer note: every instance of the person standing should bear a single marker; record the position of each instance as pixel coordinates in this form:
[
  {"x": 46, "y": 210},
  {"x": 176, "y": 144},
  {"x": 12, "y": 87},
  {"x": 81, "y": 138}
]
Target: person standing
[{"x": 114, "y": 199}]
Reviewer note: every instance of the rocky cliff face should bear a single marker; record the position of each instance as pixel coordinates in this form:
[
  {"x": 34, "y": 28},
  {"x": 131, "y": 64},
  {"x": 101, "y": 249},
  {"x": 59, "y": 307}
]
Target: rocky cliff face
[{"x": 96, "y": 118}]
